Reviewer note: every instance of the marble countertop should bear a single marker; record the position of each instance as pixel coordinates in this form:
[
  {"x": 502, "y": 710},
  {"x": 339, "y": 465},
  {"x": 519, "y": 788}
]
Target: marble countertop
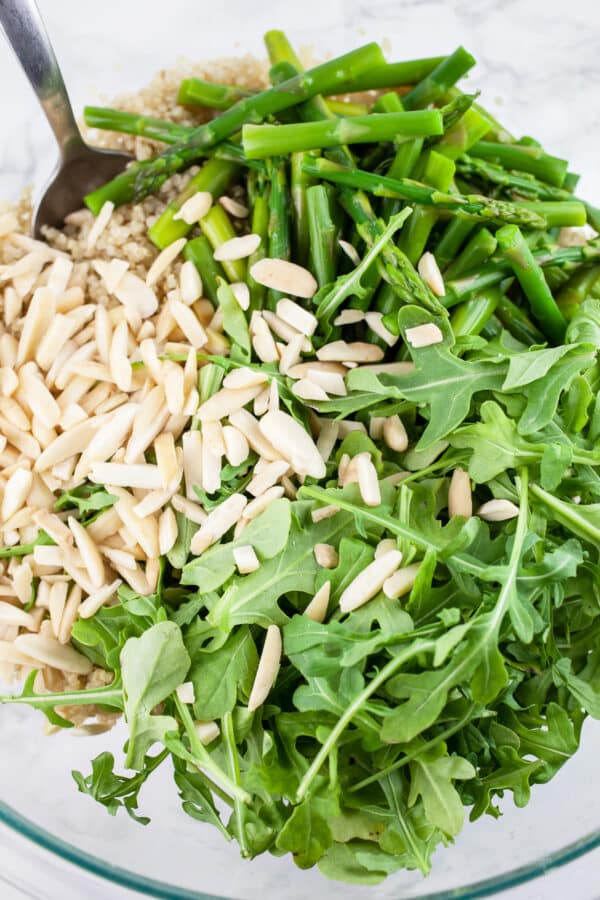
[{"x": 539, "y": 68}]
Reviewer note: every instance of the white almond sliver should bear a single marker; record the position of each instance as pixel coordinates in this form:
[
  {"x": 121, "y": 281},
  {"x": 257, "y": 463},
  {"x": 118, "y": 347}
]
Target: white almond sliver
[
  {"x": 291, "y": 355},
  {"x": 430, "y": 273},
  {"x": 89, "y": 552},
  {"x": 258, "y": 506},
  {"x": 185, "y": 692},
  {"x": 460, "y": 498},
  {"x": 368, "y": 482},
  {"x": 190, "y": 283},
  {"x": 498, "y": 511},
  {"x": 350, "y": 251},
  {"x": 326, "y": 556},
  {"x": 195, "y": 208},
  {"x": 120, "y": 367},
  {"x": 234, "y": 207},
  {"x": 394, "y": 434},
  {"x": 306, "y": 389},
  {"x": 166, "y": 458},
  {"x": 92, "y": 604},
  {"x": 136, "y": 296},
  {"x": 284, "y": 276},
  {"x": 370, "y": 581},
  {"x": 375, "y": 322},
  {"x": 207, "y": 731},
  {"x": 332, "y": 382},
  {"x": 385, "y": 546},
  {"x": 296, "y": 316},
  {"x": 327, "y": 438},
  {"x": 167, "y": 531},
  {"x": 226, "y": 402},
  {"x": 102, "y": 220},
  {"x": 218, "y": 522},
  {"x": 11, "y": 615},
  {"x": 245, "y": 559},
  {"x": 359, "y": 351},
  {"x": 293, "y": 442},
  {"x": 317, "y": 608},
  {"x": 192, "y": 462},
  {"x": 164, "y": 260},
  {"x": 267, "y": 477},
  {"x": 237, "y": 248},
  {"x": 401, "y": 582},
  {"x": 15, "y": 492},
  {"x": 249, "y": 426},
  {"x": 244, "y": 378},
  {"x": 36, "y": 323},
  {"x": 241, "y": 292},
  {"x": 236, "y": 445},
  {"x": 192, "y": 511},
  {"x": 48, "y": 651},
  {"x": 268, "y": 667},
  {"x": 144, "y": 475},
  {"x": 189, "y": 324},
  {"x": 263, "y": 342},
  {"x": 350, "y": 317},
  {"x": 424, "y": 335}
]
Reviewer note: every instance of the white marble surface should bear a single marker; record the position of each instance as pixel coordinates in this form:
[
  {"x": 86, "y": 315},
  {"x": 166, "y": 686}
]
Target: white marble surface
[{"x": 539, "y": 69}]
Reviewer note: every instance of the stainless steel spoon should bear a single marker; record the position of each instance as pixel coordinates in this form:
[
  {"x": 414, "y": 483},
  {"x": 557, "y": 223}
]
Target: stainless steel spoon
[{"x": 80, "y": 168}]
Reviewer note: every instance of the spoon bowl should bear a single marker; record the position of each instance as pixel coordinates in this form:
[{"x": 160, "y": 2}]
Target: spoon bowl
[{"x": 73, "y": 178}]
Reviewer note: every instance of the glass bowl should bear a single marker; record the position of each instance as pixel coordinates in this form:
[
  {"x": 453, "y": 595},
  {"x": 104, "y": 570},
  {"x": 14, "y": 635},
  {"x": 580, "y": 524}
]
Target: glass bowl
[{"x": 113, "y": 47}]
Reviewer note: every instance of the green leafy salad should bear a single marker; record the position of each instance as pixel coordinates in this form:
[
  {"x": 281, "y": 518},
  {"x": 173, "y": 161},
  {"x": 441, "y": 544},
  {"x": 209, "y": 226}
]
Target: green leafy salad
[{"x": 379, "y": 612}]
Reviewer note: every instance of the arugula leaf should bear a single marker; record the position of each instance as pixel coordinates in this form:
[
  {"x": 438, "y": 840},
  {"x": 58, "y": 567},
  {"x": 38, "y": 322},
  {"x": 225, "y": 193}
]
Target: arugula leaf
[
  {"x": 114, "y": 791},
  {"x": 152, "y": 666},
  {"x": 234, "y": 323},
  {"x": 432, "y": 779},
  {"x": 196, "y": 798},
  {"x": 180, "y": 550},
  {"x": 87, "y": 498},
  {"x": 306, "y": 834},
  {"x": 219, "y": 676}
]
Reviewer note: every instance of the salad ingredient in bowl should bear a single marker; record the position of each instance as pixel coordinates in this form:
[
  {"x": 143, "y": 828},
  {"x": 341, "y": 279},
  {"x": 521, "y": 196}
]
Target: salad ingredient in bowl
[{"x": 299, "y": 460}]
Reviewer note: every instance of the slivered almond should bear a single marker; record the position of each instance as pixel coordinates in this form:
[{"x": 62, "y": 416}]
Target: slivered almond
[
  {"x": 370, "y": 581},
  {"x": 54, "y": 527},
  {"x": 250, "y": 428},
  {"x": 8, "y": 381},
  {"x": 350, "y": 251},
  {"x": 401, "y": 582},
  {"x": 268, "y": 476},
  {"x": 244, "y": 378},
  {"x": 167, "y": 531},
  {"x": 69, "y": 614},
  {"x": 66, "y": 445},
  {"x": 268, "y": 667},
  {"x": 15, "y": 492},
  {"x": 185, "y": 692},
  {"x": 293, "y": 443},
  {"x": 349, "y": 317},
  {"x": 234, "y": 207},
  {"x": 324, "y": 512},
  {"x": 38, "y": 397},
  {"x": 145, "y": 530},
  {"x": 237, "y": 248},
  {"x": 460, "y": 499},
  {"x": 89, "y": 552},
  {"x": 12, "y": 615},
  {"x": 424, "y": 335},
  {"x": 328, "y": 435},
  {"x": 192, "y": 462},
  {"x": 285, "y": 331},
  {"x": 263, "y": 342},
  {"x": 375, "y": 322},
  {"x": 107, "y": 439},
  {"x": 192, "y": 511},
  {"x": 258, "y": 506},
  {"x": 211, "y": 468},
  {"x": 100, "y": 223},
  {"x": 236, "y": 445},
  {"x": 174, "y": 386},
  {"x": 57, "y": 599},
  {"x": 359, "y": 351},
  {"x": 120, "y": 367},
  {"x": 48, "y": 651},
  {"x": 118, "y": 557},
  {"x": 189, "y": 324},
  {"x": 368, "y": 482},
  {"x": 163, "y": 261},
  {"x": 246, "y": 559},
  {"x": 317, "y": 608},
  {"x": 227, "y": 402},
  {"x": 326, "y": 556},
  {"x": 143, "y": 475},
  {"x": 430, "y": 273},
  {"x": 149, "y": 421},
  {"x": 195, "y": 208},
  {"x": 308, "y": 390},
  {"x": 241, "y": 292},
  {"x": 166, "y": 458},
  {"x": 296, "y": 316},
  {"x": 291, "y": 355},
  {"x": 394, "y": 434},
  {"x": 395, "y": 368},
  {"x": 92, "y": 604},
  {"x": 284, "y": 276},
  {"x": 207, "y": 732},
  {"x": 36, "y": 323},
  {"x": 218, "y": 522},
  {"x": 498, "y": 510},
  {"x": 60, "y": 331},
  {"x": 385, "y": 546},
  {"x": 332, "y": 382},
  {"x": 190, "y": 283}
]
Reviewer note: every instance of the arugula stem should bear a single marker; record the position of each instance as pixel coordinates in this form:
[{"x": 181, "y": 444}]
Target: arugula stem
[
  {"x": 111, "y": 695},
  {"x": 386, "y": 672},
  {"x": 202, "y": 756},
  {"x": 232, "y": 755},
  {"x": 512, "y": 570}
]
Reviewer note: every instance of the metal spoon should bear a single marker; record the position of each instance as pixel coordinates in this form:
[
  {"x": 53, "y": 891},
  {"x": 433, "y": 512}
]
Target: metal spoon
[{"x": 80, "y": 168}]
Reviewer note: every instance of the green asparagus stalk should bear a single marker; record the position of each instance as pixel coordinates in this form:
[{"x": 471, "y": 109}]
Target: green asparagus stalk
[
  {"x": 518, "y": 322},
  {"x": 476, "y": 206},
  {"x": 199, "y": 251},
  {"x": 262, "y": 141},
  {"x": 299, "y": 184},
  {"x": 584, "y": 283},
  {"x": 472, "y": 316},
  {"x": 215, "y": 176},
  {"x": 198, "y": 92},
  {"x": 406, "y": 156},
  {"x": 322, "y": 232},
  {"x": 521, "y": 184},
  {"x": 557, "y": 213},
  {"x": 515, "y": 249},
  {"x": 482, "y": 245},
  {"x": 260, "y": 226},
  {"x": 454, "y": 235},
  {"x": 142, "y": 178},
  {"x": 439, "y": 80},
  {"x": 469, "y": 129},
  {"x": 217, "y": 227},
  {"x": 550, "y": 169},
  {"x": 132, "y": 123},
  {"x": 437, "y": 172},
  {"x": 280, "y": 245}
]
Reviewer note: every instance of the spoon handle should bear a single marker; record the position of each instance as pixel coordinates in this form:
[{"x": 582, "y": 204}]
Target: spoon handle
[{"x": 27, "y": 35}]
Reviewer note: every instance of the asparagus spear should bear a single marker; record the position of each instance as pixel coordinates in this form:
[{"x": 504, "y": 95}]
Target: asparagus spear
[
  {"x": 482, "y": 245},
  {"x": 437, "y": 82},
  {"x": 455, "y": 234},
  {"x": 217, "y": 227},
  {"x": 132, "y": 123},
  {"x": 515, "y": 249},
  {"x": 322, "y": 232},
  {"x": 260, "y": 226},
  {"x": 279, "y": 217},
  {"x": 199, "y": 251},
  {"x": 472, "y": 316},
  {"x": 518, "y": 322},
  {"x": 198, "y": 92},
  {"x": 521, "y": 184},
  {"x": 261, "y": 141},
  {"x": 299, "y": 184},
  {"x": 437, "y": 172},
  {"x": 547, "y": 168},
  {"x": 215, "y": 176},
  {"x": 484, "y": 208},
  {"x": 406, "y": 156},
  {"x": 143, "y": 178},
  {"x": 584, "y": 283}
]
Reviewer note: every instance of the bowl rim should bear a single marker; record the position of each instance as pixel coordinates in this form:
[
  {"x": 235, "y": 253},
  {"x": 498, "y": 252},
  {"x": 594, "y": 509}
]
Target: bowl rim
[{"x": 150, "y": 887}]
